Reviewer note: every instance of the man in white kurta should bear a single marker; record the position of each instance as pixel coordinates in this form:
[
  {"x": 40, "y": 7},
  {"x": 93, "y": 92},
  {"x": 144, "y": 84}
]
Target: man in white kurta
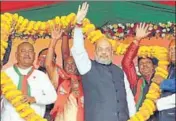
[{"x": 41, "y": 89}]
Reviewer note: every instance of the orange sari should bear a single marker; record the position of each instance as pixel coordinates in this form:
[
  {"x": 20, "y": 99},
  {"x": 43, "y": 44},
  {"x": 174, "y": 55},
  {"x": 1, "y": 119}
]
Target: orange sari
[{"x": 69, "y": 84}]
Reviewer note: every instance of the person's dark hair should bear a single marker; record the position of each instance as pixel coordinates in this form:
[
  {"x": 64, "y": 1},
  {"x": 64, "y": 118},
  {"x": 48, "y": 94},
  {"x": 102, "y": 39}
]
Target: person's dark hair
[
  {"x": 8, "y": 51},
  {"x": 154, "y": 60},
  {"x": 55, "y": 56},
  {"x": 43, "y": 69}
]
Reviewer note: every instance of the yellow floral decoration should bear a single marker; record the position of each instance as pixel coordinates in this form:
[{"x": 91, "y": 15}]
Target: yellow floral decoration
[
  {"x": 14, "y": 96},
  {"x": 5, "y": 31},
  {"x": 149, "y": 107}
]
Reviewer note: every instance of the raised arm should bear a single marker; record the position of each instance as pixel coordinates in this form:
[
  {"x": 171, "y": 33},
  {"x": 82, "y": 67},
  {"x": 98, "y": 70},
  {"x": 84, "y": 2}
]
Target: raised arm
[
  {"x": 127, "y": 61},
  {"x": 49, "y": 64},
  {"x": 128, "y": 64},
  {"x": 65, "y": 50},
  {"x": 78, "y": 50}
]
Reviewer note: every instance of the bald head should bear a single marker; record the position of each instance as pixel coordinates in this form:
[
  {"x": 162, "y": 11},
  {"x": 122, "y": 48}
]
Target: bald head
[
  {"x": 103, "y": 51},
  {"x": 25, "y": 55},
  {"x": 24, "y": 44},
  {"x": 70, "y": 66},
  {"x": 103, "y": 42}
]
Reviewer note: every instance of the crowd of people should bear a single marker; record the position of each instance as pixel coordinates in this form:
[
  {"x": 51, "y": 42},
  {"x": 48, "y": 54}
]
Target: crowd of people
[{"x": 88, "y": 90}]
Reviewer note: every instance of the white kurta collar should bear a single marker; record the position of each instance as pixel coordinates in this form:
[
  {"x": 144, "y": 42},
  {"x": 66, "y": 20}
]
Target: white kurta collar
[{"x": 24, "y": 71}]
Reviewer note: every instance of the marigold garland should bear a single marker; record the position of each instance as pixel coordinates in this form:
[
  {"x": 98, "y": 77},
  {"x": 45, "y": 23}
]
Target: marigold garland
[
  {"x": 149, "y": 107},
  {"x": 4, "y": 37},
  {"x": 149, "y": 51},
  {"x": 14, "y": 96},
  {"x": 25, "y": 26}
]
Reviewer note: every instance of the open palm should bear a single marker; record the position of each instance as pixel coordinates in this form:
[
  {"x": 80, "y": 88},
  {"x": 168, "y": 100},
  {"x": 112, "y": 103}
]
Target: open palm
[
  {"x": 82, "y": 12},
  {"x": 142, "y": 31},
  {"x": 56, "y": 33}
]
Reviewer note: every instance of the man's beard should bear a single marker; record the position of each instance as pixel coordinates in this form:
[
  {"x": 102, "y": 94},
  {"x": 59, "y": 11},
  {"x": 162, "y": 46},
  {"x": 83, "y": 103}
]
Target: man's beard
[{"x": 103, "y": 61}]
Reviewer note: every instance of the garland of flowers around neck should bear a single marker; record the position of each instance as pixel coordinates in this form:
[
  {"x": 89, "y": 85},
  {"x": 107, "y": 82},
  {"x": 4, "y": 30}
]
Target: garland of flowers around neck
[
  {"x": 149, "y": 107},
  {"x": 14, "y": 96}
]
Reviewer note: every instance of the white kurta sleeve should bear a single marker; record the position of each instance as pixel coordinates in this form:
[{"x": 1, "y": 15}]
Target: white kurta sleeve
[
  {"x": 48, "y": 94},
  {"x": 129, "y": 97},
  {"x": 166, "y": 102},
  {"x": 79, "y": 53},
  {"x": 2, "y": 103}
]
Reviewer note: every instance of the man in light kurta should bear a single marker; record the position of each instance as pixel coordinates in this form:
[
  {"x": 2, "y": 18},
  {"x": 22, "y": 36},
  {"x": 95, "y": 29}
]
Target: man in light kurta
[{"x": 34, "y": 84}]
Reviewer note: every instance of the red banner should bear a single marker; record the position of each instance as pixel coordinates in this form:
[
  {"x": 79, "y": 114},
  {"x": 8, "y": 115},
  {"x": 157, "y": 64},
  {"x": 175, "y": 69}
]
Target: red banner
[
  {"x": 169, "y": 3},
  {"x": 9, "y": 6}
]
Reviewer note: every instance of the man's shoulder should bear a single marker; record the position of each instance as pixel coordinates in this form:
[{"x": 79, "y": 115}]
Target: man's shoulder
[
  {"x": 38, "y": 72},
  {"x": 9, "y": 70},
  {"x": 39, "y": 76},
  {"x": 117, "y": 67},
  {"x": 118, "y": 70}
]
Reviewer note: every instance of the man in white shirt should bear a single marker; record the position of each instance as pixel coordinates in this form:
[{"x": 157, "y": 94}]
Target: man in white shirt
[
  {"x": 34, "y": 84},
  {"x": 129, "y": 97}
]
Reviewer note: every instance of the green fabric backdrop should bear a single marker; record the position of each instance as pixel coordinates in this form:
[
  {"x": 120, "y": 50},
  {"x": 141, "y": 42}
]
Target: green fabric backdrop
[{"x": 102, "y": 12}]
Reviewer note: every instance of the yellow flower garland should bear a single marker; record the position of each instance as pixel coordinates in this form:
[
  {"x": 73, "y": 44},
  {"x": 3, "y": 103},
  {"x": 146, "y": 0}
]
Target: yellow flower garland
[
  {"x": 149, "y": 107},
  {"x": 22, "y": 25},
  {"x": 14, "y": 96},
  {"x": 5, "y": 31},
  {"x": 25, "y": 26}
]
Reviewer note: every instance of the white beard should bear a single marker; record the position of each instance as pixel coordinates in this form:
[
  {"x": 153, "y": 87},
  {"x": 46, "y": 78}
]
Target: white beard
[{"x": 103, "y": 61}]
